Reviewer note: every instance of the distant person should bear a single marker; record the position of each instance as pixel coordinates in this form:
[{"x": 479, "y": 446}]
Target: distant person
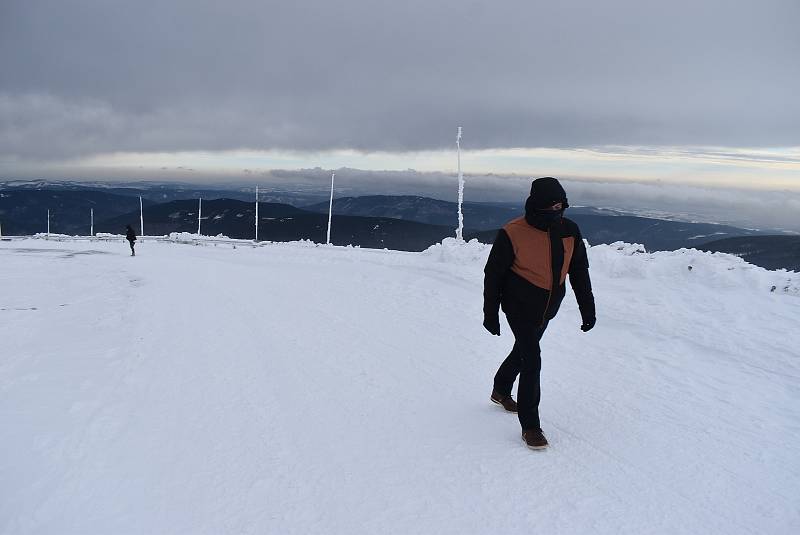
[
  {"x": 525, "y": 273},
  {"x": 131, "y": 237}
]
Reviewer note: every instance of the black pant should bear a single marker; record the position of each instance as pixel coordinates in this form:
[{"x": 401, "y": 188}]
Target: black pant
[
  {"x": 133, "y": 253},
  {"x": 524, "y": 360}
]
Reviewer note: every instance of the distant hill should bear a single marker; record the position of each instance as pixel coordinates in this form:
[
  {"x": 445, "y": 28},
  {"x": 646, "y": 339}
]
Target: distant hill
[
  {"x": 770, "y": 252},
  {"x": 280, "y": 222},
  {"x": 24, "y": 211},
  {"x": 409, "y": 223},
  {"x": 654, "y": 234},
  {"x": 597, "y": 225},
  {"x": 480, "y": 216},
  {"x": 165, "y": 192},
  {"x": 221, "y": 216}
]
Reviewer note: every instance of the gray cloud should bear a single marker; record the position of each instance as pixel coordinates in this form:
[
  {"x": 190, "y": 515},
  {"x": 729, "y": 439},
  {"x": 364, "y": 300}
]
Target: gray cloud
[{"x": 90, "y": 77}]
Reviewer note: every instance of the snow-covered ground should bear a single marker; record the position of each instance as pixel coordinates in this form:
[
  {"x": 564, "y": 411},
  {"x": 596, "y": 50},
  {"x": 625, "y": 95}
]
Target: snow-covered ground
[{"x": 290, "y": 388}]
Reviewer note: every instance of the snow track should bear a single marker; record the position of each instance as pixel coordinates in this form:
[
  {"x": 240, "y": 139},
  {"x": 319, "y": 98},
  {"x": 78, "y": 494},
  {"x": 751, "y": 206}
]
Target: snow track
[{"x": 297, "y": 389}]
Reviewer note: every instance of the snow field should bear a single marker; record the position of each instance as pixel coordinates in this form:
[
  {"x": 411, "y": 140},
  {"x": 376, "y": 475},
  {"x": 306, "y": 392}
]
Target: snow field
[{"x": 290, "y": 388}]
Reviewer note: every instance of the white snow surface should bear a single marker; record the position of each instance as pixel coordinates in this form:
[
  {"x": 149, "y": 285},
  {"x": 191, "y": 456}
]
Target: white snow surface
[{"x": 293, "y": 388}]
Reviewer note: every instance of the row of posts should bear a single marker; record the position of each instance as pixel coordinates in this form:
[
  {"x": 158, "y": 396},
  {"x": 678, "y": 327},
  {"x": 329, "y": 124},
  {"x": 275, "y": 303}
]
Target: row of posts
[{"x": 199, "y": 217}]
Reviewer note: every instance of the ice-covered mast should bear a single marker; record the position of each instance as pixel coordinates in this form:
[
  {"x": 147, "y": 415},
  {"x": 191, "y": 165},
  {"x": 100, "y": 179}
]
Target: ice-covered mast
[
  {"x": 91, "y": 221},
  {"x": 460, "y": 230},
  {"x": 330, "y": 211},
  {"x": 48, "y": 221},
  {"x": 199, "y": 214},
  {"x": 141, "y": 217},
  {"x": 256, "y": 212}
]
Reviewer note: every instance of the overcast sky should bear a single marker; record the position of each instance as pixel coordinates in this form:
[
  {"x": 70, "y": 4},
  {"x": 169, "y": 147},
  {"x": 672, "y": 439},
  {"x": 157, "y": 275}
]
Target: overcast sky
[{"x": 623, "y": 89}]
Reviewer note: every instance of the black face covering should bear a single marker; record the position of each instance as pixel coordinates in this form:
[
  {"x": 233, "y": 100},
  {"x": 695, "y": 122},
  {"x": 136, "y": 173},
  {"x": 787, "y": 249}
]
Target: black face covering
[
  {"x": 541, "y": 219},
  {"x": 547, "y": 217}
]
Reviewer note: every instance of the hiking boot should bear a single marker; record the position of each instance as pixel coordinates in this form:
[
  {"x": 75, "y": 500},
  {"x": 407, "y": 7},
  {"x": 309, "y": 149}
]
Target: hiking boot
[
  {"x": 507, "y": 402},
  {"x": 534, "y": 439}
]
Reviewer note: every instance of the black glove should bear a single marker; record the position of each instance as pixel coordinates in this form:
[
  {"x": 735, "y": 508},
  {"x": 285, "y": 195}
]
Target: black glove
[
  {"x": 588, "y": 323},
  {"x": 492, "y": 323}
]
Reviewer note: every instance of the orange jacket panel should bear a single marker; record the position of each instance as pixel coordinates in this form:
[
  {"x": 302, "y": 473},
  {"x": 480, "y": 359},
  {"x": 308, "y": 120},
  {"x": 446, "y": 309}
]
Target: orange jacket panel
[{"x": 532, "y": 256}]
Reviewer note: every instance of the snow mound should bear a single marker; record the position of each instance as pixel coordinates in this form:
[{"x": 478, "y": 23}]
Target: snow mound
[
  {"x": 691, "y": 267},
  {"x": 52, "y": 236},
  {"x": 453, "y": 251},
  {"x": 188, "y": 237}
]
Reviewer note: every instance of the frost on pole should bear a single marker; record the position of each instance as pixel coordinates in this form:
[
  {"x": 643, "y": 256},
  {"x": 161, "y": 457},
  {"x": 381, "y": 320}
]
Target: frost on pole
[
  {"x": 91, "y": 221},
  {"x": 48, "y": 222},
  {"x": 256, "y": 212},
  {"x": 330, "y": 212},
  {"x": 199, "y": 214},
  {"x": 141, "y": 217},
  {"x": 460, "y": 230}
]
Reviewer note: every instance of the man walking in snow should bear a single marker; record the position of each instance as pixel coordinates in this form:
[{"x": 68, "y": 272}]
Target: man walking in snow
[
  {"x": 526, "y": 271},
  {"x": 131, "y": 237}
]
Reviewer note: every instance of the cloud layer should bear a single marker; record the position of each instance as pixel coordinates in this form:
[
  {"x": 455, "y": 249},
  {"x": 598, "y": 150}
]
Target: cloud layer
[{"x": 90, "y": 77}]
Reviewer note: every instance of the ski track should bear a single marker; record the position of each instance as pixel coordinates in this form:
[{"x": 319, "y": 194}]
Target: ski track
[{"x": 297, "y": 389}]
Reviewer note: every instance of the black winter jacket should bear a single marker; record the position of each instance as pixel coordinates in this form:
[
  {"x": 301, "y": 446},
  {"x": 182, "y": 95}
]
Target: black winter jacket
[{"x": 519, "y": 297}]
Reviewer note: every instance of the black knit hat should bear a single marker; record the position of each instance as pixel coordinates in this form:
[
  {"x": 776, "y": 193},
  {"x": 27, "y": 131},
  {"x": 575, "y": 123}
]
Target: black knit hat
[{"x": 547, "y": 191}]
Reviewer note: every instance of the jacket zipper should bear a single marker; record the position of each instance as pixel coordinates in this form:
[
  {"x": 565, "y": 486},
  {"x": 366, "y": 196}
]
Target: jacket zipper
[{"x": 550, "y": 267}]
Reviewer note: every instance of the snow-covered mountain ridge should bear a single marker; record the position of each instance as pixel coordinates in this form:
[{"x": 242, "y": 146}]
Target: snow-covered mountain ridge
[{"x": 296, "y": 388}]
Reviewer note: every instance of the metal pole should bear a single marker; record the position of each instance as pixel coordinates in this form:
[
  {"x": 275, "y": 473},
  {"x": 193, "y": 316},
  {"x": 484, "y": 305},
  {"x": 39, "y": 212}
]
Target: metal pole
[
  {"x": 91, "y": 216},
  {"x": 330, "y": 211},
  {"x": 460, "y": 230},
  {"x": 48, "y": 221},
  {"x": 256, "y": 212},
  {"x": 199, "y": 213},
  {"x": 141, "y": 217}
]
